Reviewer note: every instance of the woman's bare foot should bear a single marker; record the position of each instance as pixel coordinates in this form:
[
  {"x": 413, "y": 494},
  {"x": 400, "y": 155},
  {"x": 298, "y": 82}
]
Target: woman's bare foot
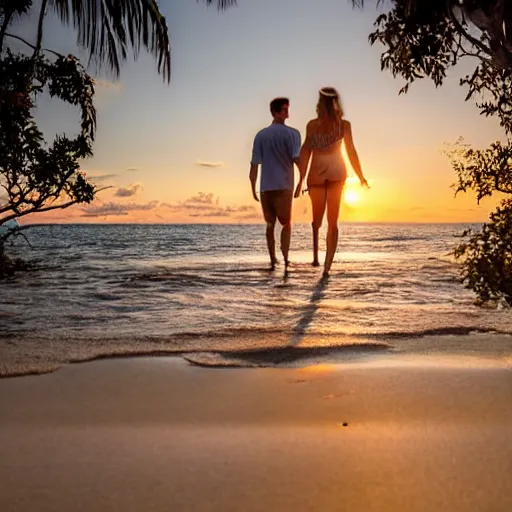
[{"x": 315, "y": 263}]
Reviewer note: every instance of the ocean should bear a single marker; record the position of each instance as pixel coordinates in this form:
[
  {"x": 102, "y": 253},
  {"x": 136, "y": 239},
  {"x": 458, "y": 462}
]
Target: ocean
[{"x": 204, "y": 292}]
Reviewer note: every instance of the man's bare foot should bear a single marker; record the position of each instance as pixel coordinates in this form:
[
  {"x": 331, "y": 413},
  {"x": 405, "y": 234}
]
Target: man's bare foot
[
  {"x": 315, "y": 263},
  {"x": 273, "y": 263},
  {"x": 325, "y": 274}
]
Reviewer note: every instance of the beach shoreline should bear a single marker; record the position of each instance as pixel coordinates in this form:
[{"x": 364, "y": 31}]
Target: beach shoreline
[
  {"x": 147, "y": 433},
  {"x": 32, "y": 356}
]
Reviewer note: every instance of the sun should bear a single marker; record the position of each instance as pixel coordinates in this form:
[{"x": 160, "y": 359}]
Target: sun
[{"x": 351, "y": 197}]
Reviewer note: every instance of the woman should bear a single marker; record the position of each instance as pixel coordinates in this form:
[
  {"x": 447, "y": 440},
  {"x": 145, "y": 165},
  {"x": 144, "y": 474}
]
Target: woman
[{"x": 327, "y": 173}]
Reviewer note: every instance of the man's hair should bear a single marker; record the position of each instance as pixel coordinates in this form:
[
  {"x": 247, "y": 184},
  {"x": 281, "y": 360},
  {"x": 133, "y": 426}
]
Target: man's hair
[{"x": 277, "y": 104}]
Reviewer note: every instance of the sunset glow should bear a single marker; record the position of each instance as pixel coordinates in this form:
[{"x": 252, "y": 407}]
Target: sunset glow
[
  {"x": 351, "y": 197},
  {"x": 180, "y": 153}
]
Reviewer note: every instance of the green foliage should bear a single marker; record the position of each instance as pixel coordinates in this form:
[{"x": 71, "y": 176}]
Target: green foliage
[
  {"x": 419, "y": 45},
  {"x": 107, "y": 28},
  {"x": 487, "y": 257},
  {"x": 490, "y": 88},
  {"x": 423, "y": 39},
  {"x": 485, "y": 171},
  {"x": 35, "y": 177}
]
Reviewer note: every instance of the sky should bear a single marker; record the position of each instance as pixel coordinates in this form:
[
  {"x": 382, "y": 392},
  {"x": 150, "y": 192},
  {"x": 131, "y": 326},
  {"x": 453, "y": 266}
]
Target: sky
[{"x": 180, "y": 152}]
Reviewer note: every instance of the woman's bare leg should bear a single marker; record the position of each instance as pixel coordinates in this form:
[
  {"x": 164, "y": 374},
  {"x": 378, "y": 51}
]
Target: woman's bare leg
[
  {"x": 318, "y": 202},
  {"x": 334, "y": 190}
]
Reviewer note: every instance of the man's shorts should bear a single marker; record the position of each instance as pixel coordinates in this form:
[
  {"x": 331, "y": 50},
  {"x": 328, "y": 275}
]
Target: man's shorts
[{"x": 277, "y": 204}]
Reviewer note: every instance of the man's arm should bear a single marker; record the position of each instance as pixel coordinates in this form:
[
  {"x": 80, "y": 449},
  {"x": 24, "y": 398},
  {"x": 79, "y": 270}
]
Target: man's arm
[
  {"x": 253, "y": 176},
  {"x": 255, "y": 162}
]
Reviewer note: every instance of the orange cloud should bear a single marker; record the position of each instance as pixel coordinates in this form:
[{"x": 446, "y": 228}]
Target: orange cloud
[{"x": 203, "y": 163}]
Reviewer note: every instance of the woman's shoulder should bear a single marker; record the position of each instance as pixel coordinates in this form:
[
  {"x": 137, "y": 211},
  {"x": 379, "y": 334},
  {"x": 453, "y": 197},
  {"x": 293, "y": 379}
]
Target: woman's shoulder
[
  {"x": 316, "y": 123},
  {"x": 312, "y": 125}
]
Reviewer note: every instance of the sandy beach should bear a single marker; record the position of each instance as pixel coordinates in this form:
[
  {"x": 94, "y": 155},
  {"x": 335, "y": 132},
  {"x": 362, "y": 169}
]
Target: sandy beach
[{"x": 159, "y": 434}]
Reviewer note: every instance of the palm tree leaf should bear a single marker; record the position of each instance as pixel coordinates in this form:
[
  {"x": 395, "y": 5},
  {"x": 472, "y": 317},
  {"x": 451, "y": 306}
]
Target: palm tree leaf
[
  {"x": 221, "y": 4},
  {"x": 106, "y": 28}
]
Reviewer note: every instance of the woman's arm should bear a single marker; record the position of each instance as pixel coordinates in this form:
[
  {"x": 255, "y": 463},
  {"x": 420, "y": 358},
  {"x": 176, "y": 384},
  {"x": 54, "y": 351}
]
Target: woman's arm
[{"x": 352, "y": 153}]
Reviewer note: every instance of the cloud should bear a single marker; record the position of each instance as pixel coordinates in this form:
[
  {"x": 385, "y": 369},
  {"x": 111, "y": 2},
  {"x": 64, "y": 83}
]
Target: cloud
[
  {"x": 251, "y": 216},
  {"x": 211, "y": 213},
  {"x": 102, "y": 177},
  {"x": 107, "y": 84},
  {"x": 117, "y": 209},
  {"x": 129, "y": 191},
  {"x": 200, "y": 199},
  {"x": 239, "y": 212},
  {"x": 206, "y": 205},
  {"x": 458, "y": 210},
  {"x": 132, "y": 169},
  {"x": 203, "y": 163}
]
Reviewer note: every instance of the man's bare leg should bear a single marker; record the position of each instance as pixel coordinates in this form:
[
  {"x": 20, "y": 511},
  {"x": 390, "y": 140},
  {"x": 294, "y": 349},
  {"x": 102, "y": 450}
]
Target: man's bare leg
[
  {"x": 271, "y": 244},
  {"x": 269, "y": 213},
  {"x": 283, "y": 206},
  {"x": 286, "y": 233}
]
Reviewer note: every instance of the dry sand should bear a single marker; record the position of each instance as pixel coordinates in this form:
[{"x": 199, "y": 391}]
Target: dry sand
[{"x": 156, "y": 434}]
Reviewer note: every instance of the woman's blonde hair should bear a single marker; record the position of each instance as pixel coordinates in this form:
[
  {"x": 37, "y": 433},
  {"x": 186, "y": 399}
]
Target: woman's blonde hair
[{"x": 329, "y": 107}]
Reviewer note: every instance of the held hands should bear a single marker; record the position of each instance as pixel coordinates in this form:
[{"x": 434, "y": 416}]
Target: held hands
[{"x": 298, "y": 190}]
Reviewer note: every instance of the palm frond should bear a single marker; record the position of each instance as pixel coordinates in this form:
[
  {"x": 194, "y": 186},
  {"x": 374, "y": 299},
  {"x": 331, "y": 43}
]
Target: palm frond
[
  {"x": 107, "y": 28},
  {"x": 221, "y": 4},
  {"x": 14, "y": 6}
]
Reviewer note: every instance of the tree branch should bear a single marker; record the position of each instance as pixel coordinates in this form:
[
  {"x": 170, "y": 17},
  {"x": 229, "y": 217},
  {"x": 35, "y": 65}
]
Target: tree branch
[
  {"x": 463, "y": 31},
  {"x": 5, "y": 23},
  {"x": 31, "y": 45},
  {"x": 39, "y": 40},
  {"x": 38, "y": 210}
]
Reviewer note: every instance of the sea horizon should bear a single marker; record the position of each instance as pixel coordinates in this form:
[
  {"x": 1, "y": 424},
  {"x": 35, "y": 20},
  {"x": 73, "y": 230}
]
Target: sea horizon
[{"x": 262, "y": 223}]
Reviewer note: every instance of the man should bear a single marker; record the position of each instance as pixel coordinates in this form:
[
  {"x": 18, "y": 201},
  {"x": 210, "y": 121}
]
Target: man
[{"x": 276, "y": 148}]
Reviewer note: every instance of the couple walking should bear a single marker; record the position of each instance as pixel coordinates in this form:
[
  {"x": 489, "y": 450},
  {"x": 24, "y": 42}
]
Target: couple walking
[{"x": 277, "y": 147}]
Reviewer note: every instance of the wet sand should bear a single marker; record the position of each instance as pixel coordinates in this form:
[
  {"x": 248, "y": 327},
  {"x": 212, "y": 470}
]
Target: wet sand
[{"x": 157, "y": 434}]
